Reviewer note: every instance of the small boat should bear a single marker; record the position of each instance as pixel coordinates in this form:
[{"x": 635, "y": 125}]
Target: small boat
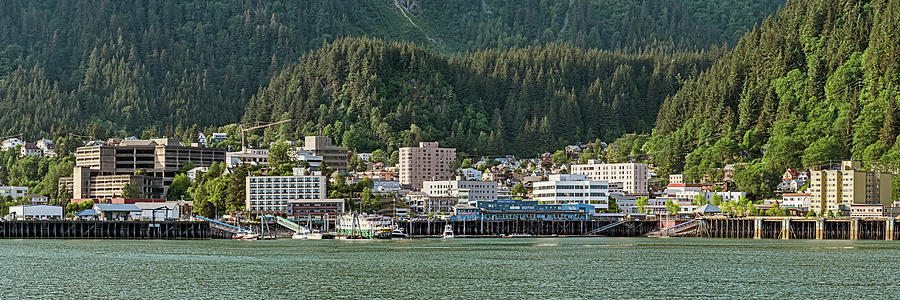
[
  {"x": 312, "y": 236},
  {"x": 246, "y": 236},
  {"x": 518, "y": 235},
  {"x": 448, "y": 232},
  {"x": 388, "y": 233}
]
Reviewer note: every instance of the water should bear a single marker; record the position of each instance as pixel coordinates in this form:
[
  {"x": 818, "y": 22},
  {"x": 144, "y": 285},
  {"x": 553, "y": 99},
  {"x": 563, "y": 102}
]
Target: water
[{"x": 458, "y": 268}]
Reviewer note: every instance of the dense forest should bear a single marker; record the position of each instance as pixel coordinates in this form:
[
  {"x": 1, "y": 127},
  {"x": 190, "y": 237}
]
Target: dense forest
[
  {"x": 106, "y": 68},
  {"x": 372, "y": 94},
  {"x": 815, "y": 84}
]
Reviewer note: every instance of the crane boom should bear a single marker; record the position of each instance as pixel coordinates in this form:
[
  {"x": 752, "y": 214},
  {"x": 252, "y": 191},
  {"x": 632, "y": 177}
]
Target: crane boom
[{"x": 243, "y": 130}]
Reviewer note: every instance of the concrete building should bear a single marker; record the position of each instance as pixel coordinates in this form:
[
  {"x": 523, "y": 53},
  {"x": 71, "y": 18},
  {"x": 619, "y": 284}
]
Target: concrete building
[
  {"x": 831, "y": 189},
  {"x": 102, "y": 171},
  {"x": 253, "y": 157},
  {"x": 13, "y": 191},
  {"x": 35, "y": 212},
  {"x": 271, "y": 194},
  {"x": 633, "y": 176},
  {"x": 332, "y": 156},
  {"x": 424, "y": 163},
  {"x": 572, "y": 188},
  {"x": 464, "y": 190}
]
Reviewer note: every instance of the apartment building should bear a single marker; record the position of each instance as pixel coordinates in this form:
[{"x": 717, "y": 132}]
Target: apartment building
[
  {"x": 332, "y": 156},
  {"x": 428, "y": 162},
  {"x": 279, "y": 194},
  {"x": 830, "y": 189},
  {"x": 465, "y": 190},
  {"x": 633, "y": 176},
  {"x": 572, "y": 188},
  {"x": 102, "y": 171}
]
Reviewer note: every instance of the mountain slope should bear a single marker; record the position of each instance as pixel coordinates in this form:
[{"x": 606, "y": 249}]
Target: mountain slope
[
  {"x": 373, "y": 94},
  {"x": 816, "y": 83},
  {"x": 115, "y": 67}
]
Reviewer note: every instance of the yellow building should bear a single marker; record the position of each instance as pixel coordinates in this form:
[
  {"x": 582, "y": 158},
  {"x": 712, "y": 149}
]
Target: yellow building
[{"x": 830, "y": 189}]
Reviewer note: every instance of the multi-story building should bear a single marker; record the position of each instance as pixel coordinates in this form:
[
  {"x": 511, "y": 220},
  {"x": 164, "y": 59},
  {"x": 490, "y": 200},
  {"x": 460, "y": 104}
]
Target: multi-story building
[
  {"x": 423, "y": 204},
  {"x": 470, "y": 173},
  {"x": 799, "y": 201},
  {"x": 332, "y": 156},
  {"x": 633, "y": 176},
  {"x": 464, "y": 190},
  {"x": 30, "y": 149},
  {"x": 424, "y": 163},
  {"x": 502, "y": 210},
  {"x": 273, "y": 194},
  {"x": 831, "y": 189},
  {"x": 13, "y": 191},
  {"x": 102, "y": 171},
  {"x": 317, "y": 209},
  {"x": 247, "y": 157},
  {"x": 10, "y": 143},
  {"x": 572, "y": 188}
]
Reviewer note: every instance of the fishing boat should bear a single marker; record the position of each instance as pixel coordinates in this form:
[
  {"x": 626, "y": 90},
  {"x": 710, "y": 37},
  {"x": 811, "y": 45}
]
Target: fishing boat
[
  {"x": 361, "y": 225},
  {"x": 390, "y": 233},
  {"x": 448, "y": 232}
]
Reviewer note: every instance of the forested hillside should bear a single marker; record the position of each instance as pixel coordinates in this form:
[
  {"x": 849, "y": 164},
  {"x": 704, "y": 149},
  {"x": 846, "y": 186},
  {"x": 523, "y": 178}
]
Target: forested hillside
[
  {"x": 816, "y": 84},
  {"x": 373, "y": 94},
  {"x": 114, "y": 67}
]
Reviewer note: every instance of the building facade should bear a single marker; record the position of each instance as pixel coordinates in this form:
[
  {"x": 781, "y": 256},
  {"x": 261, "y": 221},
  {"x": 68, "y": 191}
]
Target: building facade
[
  {"x": 102, "y": 171},
  {"x": 633, "y": 176},
  {"x": 464, "y": 190},
  {"x": 251, "y": 157},
  {"x": 13, "y": 191},
  {"x": 272, "y": 194},
  {"x": 572, "y": 188},
  {"x": 428, "y": 162},
  {"x": 332, "y": 156},
  {"x": 831, "y": 189},
  {"x": 800, "y": 201},
  {"x": 326, "y": 209},
  {"x": 505, "y": 210}
]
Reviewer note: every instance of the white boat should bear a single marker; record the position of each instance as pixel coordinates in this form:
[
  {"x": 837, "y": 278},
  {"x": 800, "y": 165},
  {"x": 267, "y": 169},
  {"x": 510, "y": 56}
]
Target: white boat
[
  {"x": 361, "y": 225},
  {"x": 448, "y": 232},
  {"x": 246, "y": 236}
]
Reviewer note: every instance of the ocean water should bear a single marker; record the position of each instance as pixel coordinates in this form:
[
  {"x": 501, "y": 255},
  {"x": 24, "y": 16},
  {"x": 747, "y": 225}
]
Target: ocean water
[{"x": 503, "y": 268}]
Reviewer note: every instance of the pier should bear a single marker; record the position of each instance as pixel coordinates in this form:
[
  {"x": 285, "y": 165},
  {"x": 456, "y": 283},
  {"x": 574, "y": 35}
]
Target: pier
[
  {"x": 105, "y": 230},
  {"x": 796, "y": 228},
  {"x": 616, "y": 228}
]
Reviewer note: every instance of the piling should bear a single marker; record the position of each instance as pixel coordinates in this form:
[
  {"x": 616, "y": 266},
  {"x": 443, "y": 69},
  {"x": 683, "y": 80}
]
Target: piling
[{"x": 889, "y": 229}]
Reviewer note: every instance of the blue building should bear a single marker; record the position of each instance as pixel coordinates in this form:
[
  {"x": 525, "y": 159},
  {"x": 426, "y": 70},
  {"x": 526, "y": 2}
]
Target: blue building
[{"x": 505, "y": 210}]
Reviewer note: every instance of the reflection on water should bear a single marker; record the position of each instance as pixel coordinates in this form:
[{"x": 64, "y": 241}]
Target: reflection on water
[{"x": 455, "y": 268}]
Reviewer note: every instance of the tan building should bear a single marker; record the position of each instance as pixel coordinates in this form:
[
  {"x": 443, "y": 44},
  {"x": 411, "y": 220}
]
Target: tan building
[
  {"x": 428, "y": 162},
  {"x": 332, "y": 156},
  {"x": 633, "y": 176},
  {"x": 831, "y": 189},
  {"x": 102, "y": 171}
]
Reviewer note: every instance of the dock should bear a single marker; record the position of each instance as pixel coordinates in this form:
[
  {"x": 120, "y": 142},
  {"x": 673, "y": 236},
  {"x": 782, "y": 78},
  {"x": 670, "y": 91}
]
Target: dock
[
  {"x": 612, "y": 228},
  {"x": 174, "y": 230},
  {"x": 795, "y": 228}
]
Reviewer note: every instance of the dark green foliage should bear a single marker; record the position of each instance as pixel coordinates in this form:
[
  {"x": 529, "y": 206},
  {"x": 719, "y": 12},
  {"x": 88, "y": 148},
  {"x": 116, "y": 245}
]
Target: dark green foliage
[
  {"x": 104, "y": 68},
  {"x": 816, "y": 83},
  {"x": 370, "y": 94}
]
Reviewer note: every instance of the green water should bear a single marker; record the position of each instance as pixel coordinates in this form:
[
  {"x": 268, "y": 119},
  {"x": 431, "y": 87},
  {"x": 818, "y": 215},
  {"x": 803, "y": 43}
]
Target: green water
[{"x": 459, "y": 268}]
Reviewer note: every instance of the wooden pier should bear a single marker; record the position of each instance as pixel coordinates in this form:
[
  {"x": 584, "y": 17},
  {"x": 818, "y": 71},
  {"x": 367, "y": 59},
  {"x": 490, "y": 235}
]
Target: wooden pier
[
  {"x": 798, "y": 228},
  {"x": 105, "y": 230},
  {"x": 616, "y": 228}
]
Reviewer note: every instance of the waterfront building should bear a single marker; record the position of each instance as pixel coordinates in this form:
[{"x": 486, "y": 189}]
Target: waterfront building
[
  {"x": 35, "y": 212},
  {"x": 830, "y": 189},
  {"x": 102, "y": 171},
  {"x": 572, "y": 188},
  {"x": 159, "y": 211},
  {"x": 271, "y": 194},
  {"x": 422, "y": 204},
  {"x": 13, "y": 191},
  {"x": 304, "y": 209},
  {"x": 866, "y": 210},
  {"x": 504, "y": 210},
  {"x": 633, "y": 176},
  {"x": 423, "y": 163},
  {"x": 464, "y": 190},
  {"x": 333, "y": 156},
  {"x": 253, "y": 157},
  {"x": 799, "y": 201},
  {"x": 117, "y": 212}
]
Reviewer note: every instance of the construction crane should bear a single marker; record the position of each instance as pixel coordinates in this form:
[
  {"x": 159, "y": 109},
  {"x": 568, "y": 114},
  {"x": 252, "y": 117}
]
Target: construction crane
[{"x": 243, "y": 130}]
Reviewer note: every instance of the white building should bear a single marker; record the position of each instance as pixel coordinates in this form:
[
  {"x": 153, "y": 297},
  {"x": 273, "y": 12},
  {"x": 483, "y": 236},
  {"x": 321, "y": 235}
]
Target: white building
[
  {"x": 572, "y": 188},
  {"x": 385, "y": 187},
  {"x": 218, "y": 137},
  {"x": 35, "y": 212},
  {"x": 464, "y": 190},
  {"x": 30, "y": 149},
  {"x": 13, "y": 191},
  {"x": 158, "y": 211},
  {"x": 272, "y": 193},
  {"x": 251, "y": 157},
  {"x": 469, "y": 173},
  {"x": 45, "y": 144},
  {"x": 633, "y": 176},
  {"x": 364, "y": 156},
  {"x": 10, "y": 143},
  {"x": 799, "y": 201},
  {"x": 314, "y": 161}
]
